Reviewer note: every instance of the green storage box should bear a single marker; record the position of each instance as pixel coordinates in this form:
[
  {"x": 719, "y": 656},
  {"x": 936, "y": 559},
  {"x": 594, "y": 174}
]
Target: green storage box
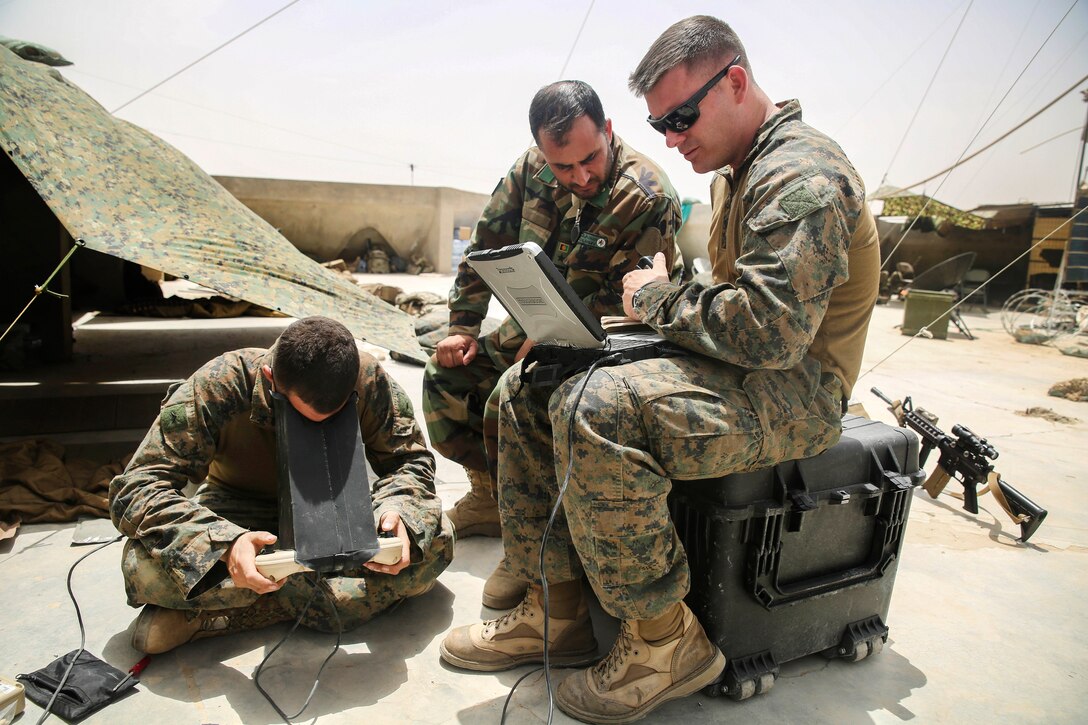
[{"x": 923, "y": 307}]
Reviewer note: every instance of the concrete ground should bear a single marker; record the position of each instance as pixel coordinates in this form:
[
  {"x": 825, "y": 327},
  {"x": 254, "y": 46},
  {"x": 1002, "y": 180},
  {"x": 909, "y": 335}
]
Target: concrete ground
[{"x": 983, "y": 628}]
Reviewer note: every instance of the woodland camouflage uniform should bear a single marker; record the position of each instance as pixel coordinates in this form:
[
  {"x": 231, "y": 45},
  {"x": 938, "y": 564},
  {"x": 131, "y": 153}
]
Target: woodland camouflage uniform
[{"x": 593, "y": 244}]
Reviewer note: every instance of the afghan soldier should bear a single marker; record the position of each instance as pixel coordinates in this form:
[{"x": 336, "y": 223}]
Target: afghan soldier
[
  {"x": 595, "y": 206},
  {"x": 190, "y": 561},
  {"x": 777, "y": 344}
]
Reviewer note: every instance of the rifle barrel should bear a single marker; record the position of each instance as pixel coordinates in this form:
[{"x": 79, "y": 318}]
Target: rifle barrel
[{"x": 882, "y": 396}]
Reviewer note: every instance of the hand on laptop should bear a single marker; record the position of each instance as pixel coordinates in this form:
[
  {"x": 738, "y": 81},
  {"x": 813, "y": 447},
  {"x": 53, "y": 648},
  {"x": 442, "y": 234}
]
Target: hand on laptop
[
  {"x": 636, "y": 279},
  {"x": 456, "y": 350}
]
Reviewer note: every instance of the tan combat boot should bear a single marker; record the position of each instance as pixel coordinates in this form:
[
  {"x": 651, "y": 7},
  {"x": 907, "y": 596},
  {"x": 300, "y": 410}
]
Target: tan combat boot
[
  {"x": 477, "y": 513},
  {"x": 502, "y": 590},
  {"x": 637, "y": 676},
  {"x": 160, "y": 630},
  {"x": 517, "y": 638}
]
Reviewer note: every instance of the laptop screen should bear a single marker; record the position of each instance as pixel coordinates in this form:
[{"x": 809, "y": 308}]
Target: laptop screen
[{"x": 535, "y": 294}]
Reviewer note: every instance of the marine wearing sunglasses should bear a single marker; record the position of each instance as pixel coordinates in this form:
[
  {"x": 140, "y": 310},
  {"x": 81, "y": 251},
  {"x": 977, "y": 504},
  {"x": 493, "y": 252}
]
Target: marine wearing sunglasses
[{"x": 685, "y": 115}]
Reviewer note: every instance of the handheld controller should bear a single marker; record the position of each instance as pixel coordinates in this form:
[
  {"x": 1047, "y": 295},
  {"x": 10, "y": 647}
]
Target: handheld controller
[{"x": 281, "y": 564}]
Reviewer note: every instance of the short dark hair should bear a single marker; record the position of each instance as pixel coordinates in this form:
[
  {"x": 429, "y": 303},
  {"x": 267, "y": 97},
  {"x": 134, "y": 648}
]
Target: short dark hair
[
  {"x": 316, "y": 358},
  {"x": 557, "y": 106},
  {"x": 691, "y": 42}
]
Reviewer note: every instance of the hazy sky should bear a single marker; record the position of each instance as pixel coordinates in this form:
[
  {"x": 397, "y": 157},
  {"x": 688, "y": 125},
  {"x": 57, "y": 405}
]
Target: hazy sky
[{"x": 353, "y": 90}]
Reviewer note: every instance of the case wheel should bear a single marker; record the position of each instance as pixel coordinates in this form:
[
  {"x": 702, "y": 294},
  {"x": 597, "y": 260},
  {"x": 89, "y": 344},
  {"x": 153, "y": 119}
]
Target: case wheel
[
  {"x": 869, "y": 647},
  {"x": 743, "y": 690},
  {"x": 860, "y": 639},
  {"x": 749, "y": 675},
  {"x": 751, "y": 686}
]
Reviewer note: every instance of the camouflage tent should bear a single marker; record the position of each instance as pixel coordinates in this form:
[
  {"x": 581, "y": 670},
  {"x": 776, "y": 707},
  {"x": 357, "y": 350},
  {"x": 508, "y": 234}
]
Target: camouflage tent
[
  {"x": 898, "y": 202},
  {"x": 125, "y": 192}
]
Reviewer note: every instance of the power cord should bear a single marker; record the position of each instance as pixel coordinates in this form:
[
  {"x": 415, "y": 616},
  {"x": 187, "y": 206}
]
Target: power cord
[
  {"x": 607, "y": 360},
  {"x": 315, "y": 582},
  {"x": 82, "y": 629}
]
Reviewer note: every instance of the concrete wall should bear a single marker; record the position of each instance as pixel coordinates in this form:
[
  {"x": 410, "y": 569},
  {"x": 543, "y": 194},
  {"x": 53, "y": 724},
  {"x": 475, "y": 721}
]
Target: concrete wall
[{"x": 327, "y": 220}]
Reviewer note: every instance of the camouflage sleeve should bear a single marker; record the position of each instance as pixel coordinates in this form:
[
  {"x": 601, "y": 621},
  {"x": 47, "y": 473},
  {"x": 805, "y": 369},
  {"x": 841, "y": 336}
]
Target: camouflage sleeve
[
  {"x": 652, "y": 230},
  {"x": 793, "y": 254},
  {"x": 146, "y": 502},
  {"x": 397, "y": 452},
  {"x": 499, "y": 226}
]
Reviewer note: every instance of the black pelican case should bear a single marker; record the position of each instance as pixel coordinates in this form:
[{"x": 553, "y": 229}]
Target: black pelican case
[{"x": 799, "y": 558}]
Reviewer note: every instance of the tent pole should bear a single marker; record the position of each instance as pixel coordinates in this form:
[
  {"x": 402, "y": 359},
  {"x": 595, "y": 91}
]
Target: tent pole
[{"x": 44, "y": 287}]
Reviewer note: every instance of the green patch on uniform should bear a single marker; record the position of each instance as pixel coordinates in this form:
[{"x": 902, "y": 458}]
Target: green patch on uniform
[
  {"x": 173, "y": 419},
  {"x": 404, "y": 417},
  {"x": 563, "y": 248},
  {"x": 799, "y": 202},
  {"x": 592, "y": 240}
]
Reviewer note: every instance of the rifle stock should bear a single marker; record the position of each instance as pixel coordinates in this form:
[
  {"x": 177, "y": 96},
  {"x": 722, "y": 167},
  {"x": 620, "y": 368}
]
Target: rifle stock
[{"x": 1020, "y": 508}]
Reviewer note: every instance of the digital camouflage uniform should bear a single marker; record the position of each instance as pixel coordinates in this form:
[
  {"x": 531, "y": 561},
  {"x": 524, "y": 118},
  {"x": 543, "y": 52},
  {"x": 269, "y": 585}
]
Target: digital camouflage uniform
[
  {"x": 779, "y": 336},
  {"x": 593, "y": 244},
  {"x": 217, "y": 429}
]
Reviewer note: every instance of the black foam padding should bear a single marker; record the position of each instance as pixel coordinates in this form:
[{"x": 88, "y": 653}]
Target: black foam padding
[{"x": 326, "y": 514}]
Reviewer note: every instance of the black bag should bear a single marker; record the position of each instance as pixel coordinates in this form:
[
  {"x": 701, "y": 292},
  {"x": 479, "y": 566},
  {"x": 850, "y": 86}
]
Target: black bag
[
  {"x": 548, "y": 364},
  {"x": 91, "y": 685}
]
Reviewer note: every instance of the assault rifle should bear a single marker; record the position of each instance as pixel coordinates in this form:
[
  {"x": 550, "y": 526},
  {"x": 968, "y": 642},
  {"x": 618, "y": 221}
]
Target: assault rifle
[{"x": 966, "y": 457}]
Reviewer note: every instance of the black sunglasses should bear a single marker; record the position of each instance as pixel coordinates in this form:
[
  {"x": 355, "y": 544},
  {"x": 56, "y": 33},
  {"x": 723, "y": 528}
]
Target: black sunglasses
[{"x": 686, "y": 114}]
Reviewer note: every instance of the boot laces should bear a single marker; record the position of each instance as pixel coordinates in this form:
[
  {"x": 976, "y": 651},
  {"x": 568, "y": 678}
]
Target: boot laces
[
  {"x": 604, "y": 670},
  {"x": 521, "y": 611}
]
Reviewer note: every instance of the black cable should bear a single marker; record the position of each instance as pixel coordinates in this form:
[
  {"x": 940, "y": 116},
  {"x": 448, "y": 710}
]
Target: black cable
[
  {"x": 82, "y": 629},
  {"x": 209, "y": 53},
  {"x": 607, "y": 360},
  {"x": 510, "y": 695},
  {"x": 922, "y": 101},
  {"x": 838, "y": 130},
  {"x": 577, "y": 36},
  {"x": 315, "y": 582},
  {"x": 930, "y": 198},
  {"x": 963, "y": 301}
]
